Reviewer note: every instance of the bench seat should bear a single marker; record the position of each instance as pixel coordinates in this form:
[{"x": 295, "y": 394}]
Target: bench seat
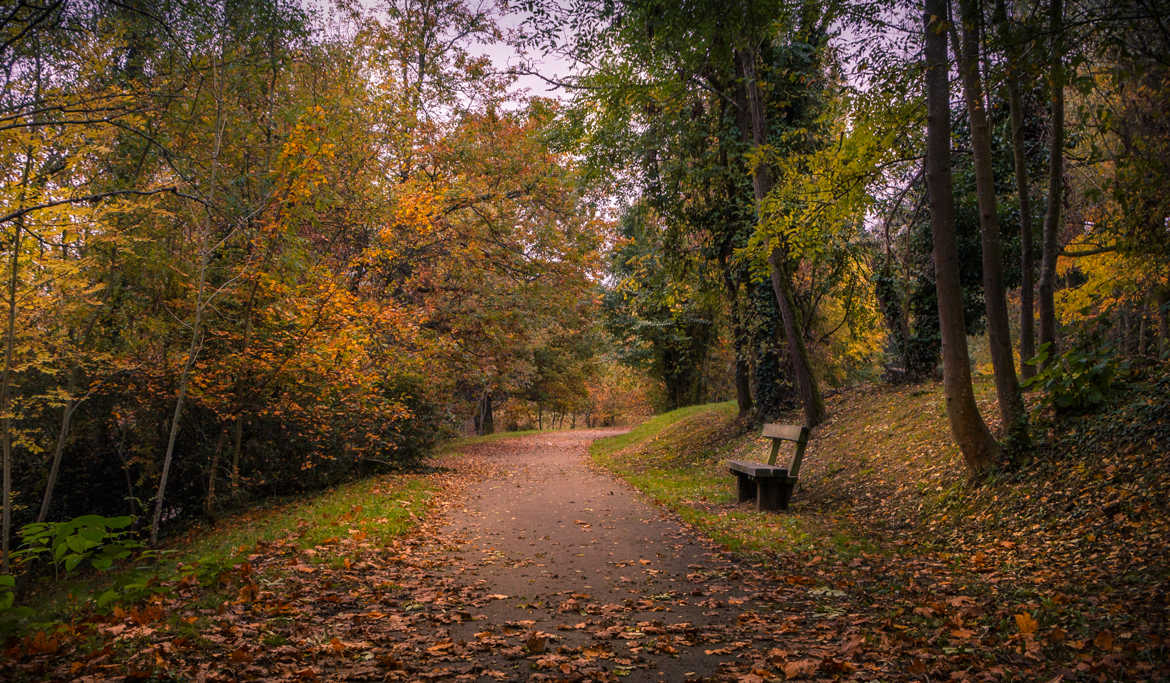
[
  {"x": 758, "y": 470},
  {"x": 770, "y": 486}
]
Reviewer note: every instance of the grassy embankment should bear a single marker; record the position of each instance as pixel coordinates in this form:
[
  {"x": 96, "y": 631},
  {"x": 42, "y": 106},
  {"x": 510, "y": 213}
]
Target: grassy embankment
[
  {"x": 375, "y": 510},
  {"x": 1064, "y": 554}
]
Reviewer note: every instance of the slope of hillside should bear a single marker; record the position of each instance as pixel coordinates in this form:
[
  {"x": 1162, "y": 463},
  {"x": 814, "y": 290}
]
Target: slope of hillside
[{"x": 1057, "y": 565}]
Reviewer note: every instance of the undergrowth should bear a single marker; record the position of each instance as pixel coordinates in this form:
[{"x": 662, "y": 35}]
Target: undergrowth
[{"x": 378, "y": 509}]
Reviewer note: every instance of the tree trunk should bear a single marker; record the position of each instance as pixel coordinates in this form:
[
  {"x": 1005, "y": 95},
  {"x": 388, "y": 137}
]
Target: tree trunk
[
  {"x": 209, "y": 502},
  {"x": 1163, "y": 301},
  {"x": 184, "y": 380},
  {"x": 239, "y": 391},
  {"x": 1016, "y": 109},
  {"x": 201, "y": 302},
  {"x": 1141, "y": 339},
  {"x": 762, "y": 181},
  {"x": 59, "y": 447},
  {"x": 999, "y": 339},
  {"x": 486, "y": 421},
  {"x": 979, "y": 449},
  {"x": 9, "y": 356},
  {"x": 5, "y": 391},
  {"x": 743, "y": 387},
  {"x": 1050, "y": 248},
  {"x": 743, "y": 380}
]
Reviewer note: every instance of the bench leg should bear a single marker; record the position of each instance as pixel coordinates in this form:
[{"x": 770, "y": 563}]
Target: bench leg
[
  {"x": 769, "y": 495},
  {"x": 774, "y": 494},
  {"x": 745, "y": 487}
]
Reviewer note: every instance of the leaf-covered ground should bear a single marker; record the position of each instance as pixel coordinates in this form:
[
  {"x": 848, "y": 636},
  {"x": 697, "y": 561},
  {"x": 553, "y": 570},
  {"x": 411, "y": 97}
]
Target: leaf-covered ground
[
  {"x": 1057, "y": 568},
  {"x": 517, "y": 560},
  {"x": 530, "y": 565}
]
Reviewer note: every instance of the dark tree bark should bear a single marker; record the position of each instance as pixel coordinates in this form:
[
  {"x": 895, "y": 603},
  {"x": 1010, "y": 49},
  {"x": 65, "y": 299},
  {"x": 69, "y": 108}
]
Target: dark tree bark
[
  {"x": 1163, "y": 312},
  {"x": 743, "y": 388},
  {"x": 979, "y": 449},
  {"x": 484, "y": 418},
  {"x": 1027, "y": 267},
  {"x": 67, "y": 411},
  {"x": 999, "y": 339},
  {"x": 778, "y": 266},
  {"x": 1050, "y": 247},
  {"x": 743, "y": 379}
]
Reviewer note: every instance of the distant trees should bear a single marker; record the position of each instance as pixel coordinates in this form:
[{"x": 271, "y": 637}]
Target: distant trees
[{"x": 693, "y": 110}]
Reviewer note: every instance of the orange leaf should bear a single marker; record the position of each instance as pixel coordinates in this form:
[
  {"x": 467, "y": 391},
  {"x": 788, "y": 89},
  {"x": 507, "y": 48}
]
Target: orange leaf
[{"x": 1026, "y": 624}]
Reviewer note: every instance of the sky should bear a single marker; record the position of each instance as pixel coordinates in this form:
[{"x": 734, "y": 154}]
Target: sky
[
  {"x": 505, "y": 56},
  {"x": 502, "y": 55}
]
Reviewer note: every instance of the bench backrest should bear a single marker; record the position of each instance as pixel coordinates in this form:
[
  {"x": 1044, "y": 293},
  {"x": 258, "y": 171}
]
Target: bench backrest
[{"x": 794, "y": 433}]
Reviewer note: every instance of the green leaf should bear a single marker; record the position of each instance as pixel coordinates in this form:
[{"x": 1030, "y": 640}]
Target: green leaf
[
  {"x": 93, "y": 534},
  {"x": 106, "y": 598},
  {"x": 79, "y": 544},
  {"x": 89, "y": 520},
  {"x": 34, "y": 530},
  {"x": 119, "y": 522},
  {"x": 71, "y": 562},
  {"x": 7, "y": 581}
]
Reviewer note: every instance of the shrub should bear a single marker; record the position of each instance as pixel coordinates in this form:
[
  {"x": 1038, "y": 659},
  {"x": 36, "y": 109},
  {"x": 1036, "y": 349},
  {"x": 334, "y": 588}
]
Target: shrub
[{"x": 1077, "y": 380}]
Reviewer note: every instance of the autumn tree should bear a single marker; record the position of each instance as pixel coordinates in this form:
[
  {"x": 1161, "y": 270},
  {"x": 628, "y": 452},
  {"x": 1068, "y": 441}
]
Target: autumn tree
[
  {"x": 979, "y": 449},
  {"x": 1011, "y": 402}
]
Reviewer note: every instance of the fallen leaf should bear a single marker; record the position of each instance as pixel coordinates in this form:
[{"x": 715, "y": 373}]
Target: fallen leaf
[
  {"x": 1026, "y": 624},
  {"x": 801, "y": 668}
]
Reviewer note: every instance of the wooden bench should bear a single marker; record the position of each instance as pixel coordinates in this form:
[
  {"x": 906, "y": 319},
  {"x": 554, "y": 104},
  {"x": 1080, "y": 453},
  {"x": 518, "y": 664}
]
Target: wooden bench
[{"x": 770, "y": 485}]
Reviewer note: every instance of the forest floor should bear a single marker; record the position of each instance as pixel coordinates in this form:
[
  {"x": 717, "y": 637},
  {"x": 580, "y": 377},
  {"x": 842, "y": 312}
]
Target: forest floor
[{"x": 524, "y": 559}]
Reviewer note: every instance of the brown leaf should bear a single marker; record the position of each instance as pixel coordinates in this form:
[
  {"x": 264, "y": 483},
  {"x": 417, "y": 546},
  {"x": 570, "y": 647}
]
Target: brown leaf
[
  {"x": 801, "y": 668},
  {"x": 1104, "y": 640},
  {"x": 41, "y": 643},
  {"x": 536, "y": 643}
]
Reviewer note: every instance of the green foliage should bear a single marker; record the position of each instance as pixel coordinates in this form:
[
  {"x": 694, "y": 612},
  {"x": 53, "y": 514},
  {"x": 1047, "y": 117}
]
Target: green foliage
[
  {"x": 661, "y": 311},
  {"x": 100, "y": 541},
  {"x": 7, "y": 591},
  {"x": 1079, "y": 379}
]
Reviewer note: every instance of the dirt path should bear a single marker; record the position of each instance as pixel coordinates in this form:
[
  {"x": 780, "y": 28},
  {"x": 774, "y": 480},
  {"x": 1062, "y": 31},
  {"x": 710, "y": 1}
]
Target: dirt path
[
  {"x": 530, "y": 566},
  {"x": 589, "y": 573}
]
